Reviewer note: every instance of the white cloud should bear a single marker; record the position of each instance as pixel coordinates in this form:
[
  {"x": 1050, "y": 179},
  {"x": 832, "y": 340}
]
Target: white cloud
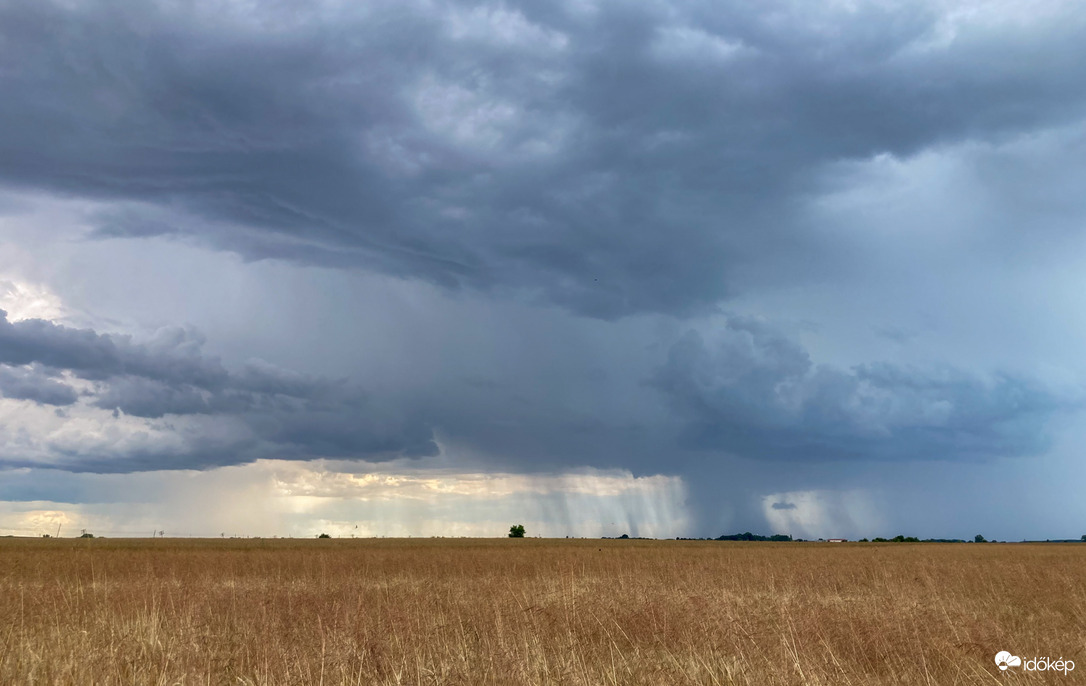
[{"x": 23, "y": 300}]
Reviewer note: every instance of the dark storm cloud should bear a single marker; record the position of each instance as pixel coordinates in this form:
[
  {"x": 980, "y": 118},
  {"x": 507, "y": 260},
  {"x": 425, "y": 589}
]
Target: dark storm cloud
[
  {"x": 173, "y": 356},
  {"x": 754, "y": 392},
  {"x": 609, "y": 159},
  {"x": 34, "y": 383},
  {"x": 279, "y": 413},
  {"x": 583, "y": 183}
]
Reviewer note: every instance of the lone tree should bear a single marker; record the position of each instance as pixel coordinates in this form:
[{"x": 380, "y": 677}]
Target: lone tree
[
  {"x": 516, "y": 531},
  {"x": 979, "y": 539}
]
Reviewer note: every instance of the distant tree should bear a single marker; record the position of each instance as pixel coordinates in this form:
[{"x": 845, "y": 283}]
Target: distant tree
[
  {"x": 1083, "y": 539},
  {"x": 748, "y": 536},
  {"x": 979, "y": 539},
  {"x": 516, "y": 531},
  {"x": 624, "y": 536},
  {"x": 863, "y": 540},
  {"x": 86, "y": 534},
  {"x": 324, "y": 536}
]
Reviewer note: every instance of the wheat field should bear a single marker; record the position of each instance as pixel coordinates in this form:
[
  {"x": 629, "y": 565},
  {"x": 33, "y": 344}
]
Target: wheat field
[{"x": 532, "y": 611}]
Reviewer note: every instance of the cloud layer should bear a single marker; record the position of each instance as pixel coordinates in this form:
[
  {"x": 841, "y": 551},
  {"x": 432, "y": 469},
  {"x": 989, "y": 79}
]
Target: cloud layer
[
  {"x": 607, "y": 158},
  {"x": 262, "y": 411},
  {"x": 786, "y": 252},
  {"x": 755, "y": 392}
]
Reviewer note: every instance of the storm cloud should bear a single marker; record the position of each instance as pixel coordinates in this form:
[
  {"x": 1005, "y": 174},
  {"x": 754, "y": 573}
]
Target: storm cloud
[
  {"x": 789, "y": 253},
  {"x": 273, "y": 412},
  {"x": 31, "y": 382},
  {"x": 755, "y": 392},
  {"x": 609, "y": 158}
]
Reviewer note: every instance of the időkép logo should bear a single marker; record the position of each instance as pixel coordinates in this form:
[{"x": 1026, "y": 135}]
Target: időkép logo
[{"x": 1005, "y": 660}]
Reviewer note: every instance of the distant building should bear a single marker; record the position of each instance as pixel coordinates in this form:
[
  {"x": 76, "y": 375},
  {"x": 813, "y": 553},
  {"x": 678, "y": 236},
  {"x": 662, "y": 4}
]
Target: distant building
[{"x": 836, "y": 540}]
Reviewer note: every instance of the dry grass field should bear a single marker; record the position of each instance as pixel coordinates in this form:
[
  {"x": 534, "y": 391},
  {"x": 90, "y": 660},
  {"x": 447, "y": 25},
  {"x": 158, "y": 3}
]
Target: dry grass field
[{"x": 534, "y": 612}]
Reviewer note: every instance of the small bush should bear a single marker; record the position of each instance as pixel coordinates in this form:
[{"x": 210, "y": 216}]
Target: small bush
[{"x": 324, "y": 536}]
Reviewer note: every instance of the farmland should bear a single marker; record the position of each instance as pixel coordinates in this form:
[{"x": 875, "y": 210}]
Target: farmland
[{"x": 532, "y": 611}]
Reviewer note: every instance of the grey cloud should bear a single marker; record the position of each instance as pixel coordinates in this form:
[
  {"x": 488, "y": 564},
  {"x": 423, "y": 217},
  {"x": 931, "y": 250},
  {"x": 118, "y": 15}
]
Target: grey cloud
[
  {"x": 631, "y": 159},
  {"x": 173, "y": 355},
  {"x": 783, "y": 506},
  {"x": 143, "y": 397},
  {"x": 277, "y": 413},
  {"x": 128, "y": 222},
  {"x": 754, "y": 391},
  {"x": 34, "y": 383},
  {"x": 166, "y": 374},
  {"x": 601, "y": 178},
  {"x": 895, "y": 334}
]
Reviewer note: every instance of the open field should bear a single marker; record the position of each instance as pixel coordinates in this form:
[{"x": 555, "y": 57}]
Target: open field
[{"x": 534, "y": 612}]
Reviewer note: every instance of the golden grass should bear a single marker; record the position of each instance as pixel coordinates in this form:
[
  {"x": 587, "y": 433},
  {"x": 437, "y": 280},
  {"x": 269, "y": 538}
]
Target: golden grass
[{"x": 534, "y": 612}]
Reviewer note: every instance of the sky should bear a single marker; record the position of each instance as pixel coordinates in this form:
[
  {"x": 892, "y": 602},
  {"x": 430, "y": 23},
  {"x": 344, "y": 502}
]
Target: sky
[{"x": 421, "y": 268}]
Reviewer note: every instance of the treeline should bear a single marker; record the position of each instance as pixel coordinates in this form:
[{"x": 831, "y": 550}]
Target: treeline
[
  {"x": 748, "y": 536},
  {"x": 745, "y": 536},
  {"x": 912, "y": 539}
]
